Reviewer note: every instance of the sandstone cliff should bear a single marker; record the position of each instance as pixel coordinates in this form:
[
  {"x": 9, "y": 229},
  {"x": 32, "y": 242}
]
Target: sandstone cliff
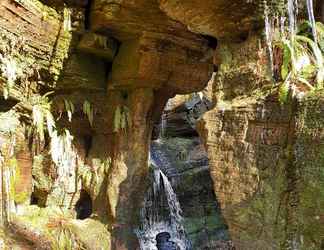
[{"x": 102, "y": 71}]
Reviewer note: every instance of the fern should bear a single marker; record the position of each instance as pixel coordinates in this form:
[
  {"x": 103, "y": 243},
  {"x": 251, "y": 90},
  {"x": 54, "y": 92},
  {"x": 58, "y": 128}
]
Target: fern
[
  {"x": 318, "y": 56},
  {"x": 122, "y": 118},
  {"x": 88, "y": 111},
  {"x": 302, "y": 65},
  {"x": 117, "y": 119},
  {"x": 61, "y": 148},
  {"x": 69, "y": 107},
  {"x": 41, "y": 114},
  {"x": 62, "y": 151},
  {"x": 284, "y": 92}
]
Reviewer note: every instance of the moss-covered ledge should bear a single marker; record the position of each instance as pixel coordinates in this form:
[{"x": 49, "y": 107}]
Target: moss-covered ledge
[{"x": 309, "y": 152}]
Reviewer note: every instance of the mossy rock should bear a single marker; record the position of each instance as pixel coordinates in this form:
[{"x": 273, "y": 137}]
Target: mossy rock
[{"x": 59, "y": 227}]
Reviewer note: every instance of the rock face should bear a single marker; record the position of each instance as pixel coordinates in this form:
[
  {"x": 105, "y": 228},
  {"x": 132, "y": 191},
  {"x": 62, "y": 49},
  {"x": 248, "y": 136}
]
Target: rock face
[
  {"x": 220, "y": 19},
  {"x": 104, "y": 70},
  {"x": 245, "y": 147},
  {"x": 111, "y": 74},
  {"x": 261, "y": 187},
  {"x": 309, "y": 161},
  {"x": 255, "y": 156}
]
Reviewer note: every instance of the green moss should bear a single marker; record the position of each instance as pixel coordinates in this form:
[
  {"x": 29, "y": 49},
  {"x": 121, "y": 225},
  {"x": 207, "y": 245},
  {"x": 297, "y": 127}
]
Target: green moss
[
  {"x": 61, "y": 52},
  {"x": 91, "y": 233},
  {"x": 15, "y": 179},
  {"x": 21, "y": 197},
  {"x": 62, "y": 48},
  {"x": 64, "y": 232},
  {"x": 41, "y": 180},
  {"x": 309, "y": 150}
]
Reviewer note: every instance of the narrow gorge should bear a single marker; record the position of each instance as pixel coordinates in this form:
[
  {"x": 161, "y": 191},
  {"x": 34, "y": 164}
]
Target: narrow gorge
[{"x": 162, "y": 124}]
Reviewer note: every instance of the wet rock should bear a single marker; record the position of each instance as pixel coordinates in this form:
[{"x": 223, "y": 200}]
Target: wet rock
[
  {"x": 164, "y": 243},
  {"x": 183, "y": 158}
]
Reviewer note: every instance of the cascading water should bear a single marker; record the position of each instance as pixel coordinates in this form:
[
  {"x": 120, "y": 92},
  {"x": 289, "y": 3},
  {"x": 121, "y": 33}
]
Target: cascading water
[
  {"x": 163, "y": 120},
  {"x": 310, "y": 11},
  {"x": 160, "y": 215},
  {"x": 292, "y": 16},
  {"x": 277, "y": 20},
  {"x": 268, "y": 32}
]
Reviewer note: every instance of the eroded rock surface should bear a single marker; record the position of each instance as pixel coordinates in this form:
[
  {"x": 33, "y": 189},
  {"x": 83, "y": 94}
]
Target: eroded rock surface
[
  {"x": 110, "y": 67},
  {"x": 220, "y": 19}
]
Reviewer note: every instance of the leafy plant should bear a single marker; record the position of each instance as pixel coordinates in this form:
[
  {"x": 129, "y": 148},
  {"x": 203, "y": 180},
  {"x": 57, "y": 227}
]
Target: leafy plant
[
  {"x": 122, "y": 118},
  {"x": 62, "y": 236},
  {"x": 42, "y": 115},
  {"x": 92, "y": 177},
  {"x": 69, "y": 107},
  {"x": 67, "y": 23},
  {"x": 88, "y": 111},
  {"x": 61, "y": 148},
  {"x": 62, "y": 151},
  {"x": 9, "y": 70},
  {"x": 302, "y": 66},
  {"x": 284, "y": 92}
]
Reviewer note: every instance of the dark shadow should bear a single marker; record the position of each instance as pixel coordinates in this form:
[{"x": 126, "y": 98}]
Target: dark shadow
[
  {"x": 83, "y": 207},
  {"x": 163, "y": 242},
  {"x": 87, "y": 144},
  {"x": 6, "y": 105},
  {"x": 33, "y": 199},
  {"x": 38, "y": 198},
  {"x": 212, "y": 41},
  {"x": 87, "y": 14}
]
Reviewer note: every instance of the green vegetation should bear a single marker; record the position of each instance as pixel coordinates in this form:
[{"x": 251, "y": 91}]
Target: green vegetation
[
  {"x": 15, "y": 179},
  {"x": 88, "y": 111},
  {"x": 92, "y": 178},
  {"x": 69, "y": 107},
  {"x": 302, "y": 66},
  {"x": 122, "y": 118},
  {"x": 42, "y": 115},
  {"x": 16, "y": 65}
]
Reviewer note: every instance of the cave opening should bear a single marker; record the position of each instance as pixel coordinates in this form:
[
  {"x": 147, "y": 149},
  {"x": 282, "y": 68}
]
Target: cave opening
[
  {"x": 179, "y": 152},
  {"x": 212, "y": 41},
  {"x": 83, "y": 207},
  {"x": 34, "y": 199},
  {"x": 38, "y": 198},
  {"x": 87, "y": 144}
]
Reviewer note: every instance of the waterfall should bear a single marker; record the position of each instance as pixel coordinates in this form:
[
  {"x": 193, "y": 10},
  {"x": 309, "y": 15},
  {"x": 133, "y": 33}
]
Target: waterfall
[
  {"x": 161, "y": 213},
  {"x": 310, "y": 11},
  {"x": 277, "y": 20},
  {"x": 292, "y": 16},
  {"x": 268, "y": 32},
  {"x": 164, "y": 120}
]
